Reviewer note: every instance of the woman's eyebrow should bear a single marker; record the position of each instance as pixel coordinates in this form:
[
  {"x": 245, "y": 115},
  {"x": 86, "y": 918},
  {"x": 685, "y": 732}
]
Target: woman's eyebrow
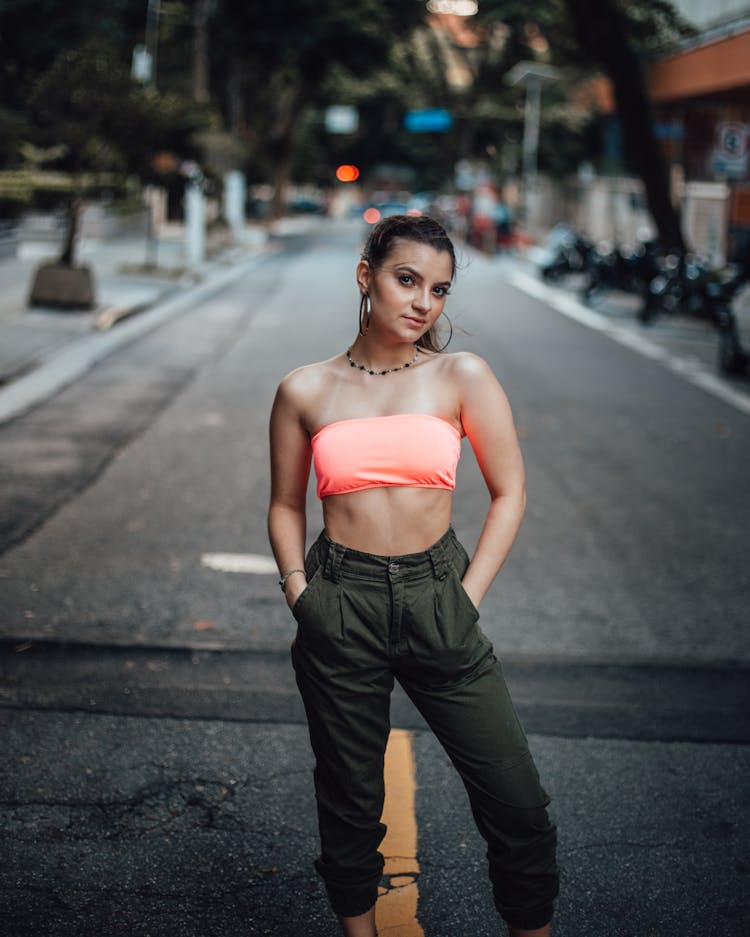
[{"x": 417, "y": 275}]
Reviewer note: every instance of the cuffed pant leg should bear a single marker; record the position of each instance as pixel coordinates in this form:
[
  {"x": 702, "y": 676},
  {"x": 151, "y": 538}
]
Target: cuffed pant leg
[
  {"x": 345, "y": 685},
  {"x": 349, "y": 724},
  {"x": 477, "y": 725},
  {"x": 454, "y": 679}
]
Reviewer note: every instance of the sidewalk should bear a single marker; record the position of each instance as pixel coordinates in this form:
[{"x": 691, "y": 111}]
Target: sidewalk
[
  {"x": 43, "y": 349},
  {"x": 28, "y": 336}
]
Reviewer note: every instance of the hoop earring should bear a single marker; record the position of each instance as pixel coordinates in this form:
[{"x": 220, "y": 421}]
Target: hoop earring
[
  {"x": 365, "y": 311},
  {"x": 450, "y": 335}
]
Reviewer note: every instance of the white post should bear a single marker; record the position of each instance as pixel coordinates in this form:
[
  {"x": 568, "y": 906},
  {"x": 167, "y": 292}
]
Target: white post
[
  {"x": 531, "y": 144},
  {"x": 531, "y": 128},
  {"x": 531, "y": 75},
  {"x": 195, "y": 225},
  {"x": 234, "y": 202}
]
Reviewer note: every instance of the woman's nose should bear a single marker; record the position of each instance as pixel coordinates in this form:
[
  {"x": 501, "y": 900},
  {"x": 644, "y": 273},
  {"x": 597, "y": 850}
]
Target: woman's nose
[{"x": 423, "y": 300}]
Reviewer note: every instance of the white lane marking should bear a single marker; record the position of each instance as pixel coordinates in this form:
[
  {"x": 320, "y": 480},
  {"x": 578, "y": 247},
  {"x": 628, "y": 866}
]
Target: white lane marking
[
  {"x": 254, "y": 563},
  {"x": 691, "y": 369}
]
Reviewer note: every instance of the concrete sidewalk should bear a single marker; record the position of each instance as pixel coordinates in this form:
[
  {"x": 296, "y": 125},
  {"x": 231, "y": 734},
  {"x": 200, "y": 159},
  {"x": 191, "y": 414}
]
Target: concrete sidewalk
[
  {"x": 44, "y": 349},
  {"x": 28, "y": 337}
]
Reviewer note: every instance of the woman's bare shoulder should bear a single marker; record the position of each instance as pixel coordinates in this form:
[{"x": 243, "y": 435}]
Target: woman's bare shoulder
[
  {"x": 308, "y": 379},
  {"x": 305, "y": 384},
  {"x": 464, "y": 365}
]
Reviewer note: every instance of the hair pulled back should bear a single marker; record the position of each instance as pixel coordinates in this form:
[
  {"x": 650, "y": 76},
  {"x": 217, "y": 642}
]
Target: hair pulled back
[{"x": 423, "y": 230}]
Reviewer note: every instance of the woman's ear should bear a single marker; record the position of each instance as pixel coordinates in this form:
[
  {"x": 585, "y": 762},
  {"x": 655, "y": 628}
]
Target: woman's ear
[{"x": 364, "y": 276}]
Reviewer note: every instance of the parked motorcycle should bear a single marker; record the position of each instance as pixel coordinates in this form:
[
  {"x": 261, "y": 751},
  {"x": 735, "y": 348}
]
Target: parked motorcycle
[
  {"x": 610, "y": 268},
  {"x": 563, "y": 252},
  {"x": 683, "y": 284},
  {"x": 687, "y": 286}
]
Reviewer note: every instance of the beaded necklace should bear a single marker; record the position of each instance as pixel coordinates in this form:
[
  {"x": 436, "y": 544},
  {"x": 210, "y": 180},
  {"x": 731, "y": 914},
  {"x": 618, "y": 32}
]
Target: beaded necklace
[{"x": 363, "y": 367}]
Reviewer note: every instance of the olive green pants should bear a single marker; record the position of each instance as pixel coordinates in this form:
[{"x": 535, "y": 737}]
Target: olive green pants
[{"x": 363, "y": 620}]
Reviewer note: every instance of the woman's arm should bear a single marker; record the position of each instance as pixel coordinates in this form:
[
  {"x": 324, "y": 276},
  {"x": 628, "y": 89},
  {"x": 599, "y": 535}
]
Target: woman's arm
[
  {"x": 488, "y": 423},
  {"x": 290, "y": 468}
]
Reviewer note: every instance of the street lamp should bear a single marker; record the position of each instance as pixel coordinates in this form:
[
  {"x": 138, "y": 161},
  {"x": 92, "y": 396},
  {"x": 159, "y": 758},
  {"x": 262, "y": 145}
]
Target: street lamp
[
  {"x": 532, "y": 75},
  {"x": 152, "y": 36},
  {"x": 144, "y": 57}
]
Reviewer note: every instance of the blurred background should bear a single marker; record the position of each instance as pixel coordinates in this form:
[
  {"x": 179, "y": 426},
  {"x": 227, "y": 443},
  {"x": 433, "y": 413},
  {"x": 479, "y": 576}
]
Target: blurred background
[{"x": 624, "y": 119}]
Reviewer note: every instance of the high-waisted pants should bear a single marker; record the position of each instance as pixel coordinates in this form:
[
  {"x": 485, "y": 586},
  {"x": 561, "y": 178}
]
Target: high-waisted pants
[{"x": 363, "y": 620}]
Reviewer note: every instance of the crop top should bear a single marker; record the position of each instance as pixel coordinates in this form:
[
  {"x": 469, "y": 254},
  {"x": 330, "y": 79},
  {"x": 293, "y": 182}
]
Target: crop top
[{"x": 411, "y": 450}]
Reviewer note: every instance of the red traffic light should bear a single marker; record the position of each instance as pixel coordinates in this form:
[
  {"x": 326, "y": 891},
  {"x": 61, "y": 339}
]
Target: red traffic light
[{"x": 347, "y": 173}]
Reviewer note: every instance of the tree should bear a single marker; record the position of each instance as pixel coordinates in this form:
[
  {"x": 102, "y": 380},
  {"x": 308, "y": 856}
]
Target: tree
[
  {"x": 271, "y": 69},
  {"x": 616, "y": 37},
  {"x": 34, "y": 32},
  {"x": 606, "y": 34},
  {"x": 285, "y": 54},
  {"x": 107, "y": 127}
]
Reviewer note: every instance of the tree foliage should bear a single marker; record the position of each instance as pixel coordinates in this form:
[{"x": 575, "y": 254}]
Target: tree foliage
[
  {"x": 269, "y": 71},
  {"x": 86, "y": 99}
]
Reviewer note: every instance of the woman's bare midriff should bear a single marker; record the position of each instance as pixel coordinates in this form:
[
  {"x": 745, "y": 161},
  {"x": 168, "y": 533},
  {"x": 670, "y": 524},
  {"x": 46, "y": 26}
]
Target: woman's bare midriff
[{"x": 388, "y": 521}]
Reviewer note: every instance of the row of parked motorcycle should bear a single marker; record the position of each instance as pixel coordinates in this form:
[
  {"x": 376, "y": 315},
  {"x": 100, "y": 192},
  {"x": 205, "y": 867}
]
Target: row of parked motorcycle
[{"x": 667, "y": 284}]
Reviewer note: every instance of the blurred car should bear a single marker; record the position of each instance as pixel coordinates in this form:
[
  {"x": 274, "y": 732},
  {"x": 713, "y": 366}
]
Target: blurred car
[
  {"x": 376, "y": 211},
  {"x": 306, "y": 205}
]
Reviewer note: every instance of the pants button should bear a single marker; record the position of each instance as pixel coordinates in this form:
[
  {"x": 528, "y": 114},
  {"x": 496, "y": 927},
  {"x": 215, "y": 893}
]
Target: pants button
[{"x": 393, "y": 567}]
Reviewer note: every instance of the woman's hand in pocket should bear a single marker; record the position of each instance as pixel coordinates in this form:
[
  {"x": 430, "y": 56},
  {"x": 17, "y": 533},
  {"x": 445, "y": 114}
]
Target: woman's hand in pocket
[
  {"x": 294, "y": 589},
  {"x": 475, "y": 600}
]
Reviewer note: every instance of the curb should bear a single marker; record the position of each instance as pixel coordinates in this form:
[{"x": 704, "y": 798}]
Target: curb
[
  {"x": 693, "y": 372},
  {"x": 62, "y": 368},
  {"x": 110, "y": 315}
]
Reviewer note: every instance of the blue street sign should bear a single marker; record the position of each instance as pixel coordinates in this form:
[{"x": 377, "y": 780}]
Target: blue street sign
[{"x": 434, "y": 120}]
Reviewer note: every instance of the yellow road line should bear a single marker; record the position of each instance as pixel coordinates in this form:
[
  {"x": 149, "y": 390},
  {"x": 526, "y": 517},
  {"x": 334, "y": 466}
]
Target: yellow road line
[{"x": 396, "y": 910}]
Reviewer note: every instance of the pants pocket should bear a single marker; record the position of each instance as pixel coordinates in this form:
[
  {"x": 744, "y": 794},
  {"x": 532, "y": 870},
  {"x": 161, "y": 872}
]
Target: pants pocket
[
  {"x": 319, "y": 618},
  {"x": 470, "y": 607},
  {"x": 305, "y": 596}
]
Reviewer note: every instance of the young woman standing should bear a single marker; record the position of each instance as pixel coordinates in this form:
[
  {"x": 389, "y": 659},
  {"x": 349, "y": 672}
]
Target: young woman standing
[{"x": 387, "y": 592}]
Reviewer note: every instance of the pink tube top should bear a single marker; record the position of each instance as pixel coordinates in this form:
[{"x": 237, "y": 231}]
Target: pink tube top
[{"x": 411, "y": 450}]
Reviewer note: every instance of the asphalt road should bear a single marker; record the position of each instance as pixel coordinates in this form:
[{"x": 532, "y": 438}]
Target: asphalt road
[{"x": 155, "y": 778}]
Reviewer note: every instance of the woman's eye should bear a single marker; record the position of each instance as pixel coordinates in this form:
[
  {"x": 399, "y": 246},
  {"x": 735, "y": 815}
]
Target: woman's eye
[
  {"x": 406, "y": 279},
  {"x": 441, "y": 291}
]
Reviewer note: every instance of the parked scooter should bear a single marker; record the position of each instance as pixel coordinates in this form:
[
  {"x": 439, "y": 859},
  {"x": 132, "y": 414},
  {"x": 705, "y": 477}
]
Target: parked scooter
[
  {"x": 684, "y": 285},
  {"x": 564, "y": 252},
  {"x": 610, "y": 268},
  {"x": 687, "y": 286}
]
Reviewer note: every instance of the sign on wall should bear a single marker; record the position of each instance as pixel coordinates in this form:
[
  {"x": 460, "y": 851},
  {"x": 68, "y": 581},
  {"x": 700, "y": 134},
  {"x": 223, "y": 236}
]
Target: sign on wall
[{"x": 731, "y": 155}]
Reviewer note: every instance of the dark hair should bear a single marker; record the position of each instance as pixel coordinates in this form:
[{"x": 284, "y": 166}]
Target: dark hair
[{"x": 419, "y": 228}]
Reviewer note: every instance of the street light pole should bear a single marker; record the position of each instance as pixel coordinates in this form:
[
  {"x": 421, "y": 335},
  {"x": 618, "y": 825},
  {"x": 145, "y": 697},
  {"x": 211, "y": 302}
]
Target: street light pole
[
  {"x": 531, "y": 130},
  {"x": 152, "y": 38},
  {"x": 531, "y": 75}
]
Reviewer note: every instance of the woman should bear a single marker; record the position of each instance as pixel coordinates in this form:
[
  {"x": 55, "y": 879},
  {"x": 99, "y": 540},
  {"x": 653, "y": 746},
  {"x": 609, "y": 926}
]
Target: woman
[{"x": 387, "y": 590}]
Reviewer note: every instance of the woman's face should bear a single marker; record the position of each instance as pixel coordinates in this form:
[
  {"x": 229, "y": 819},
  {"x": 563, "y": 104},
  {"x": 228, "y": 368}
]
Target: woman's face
[{"x": 408, "y": 292}]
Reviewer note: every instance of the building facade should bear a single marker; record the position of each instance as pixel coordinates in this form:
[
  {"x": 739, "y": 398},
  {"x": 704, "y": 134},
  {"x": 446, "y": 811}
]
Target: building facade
[{"x": 701, "y": 100}]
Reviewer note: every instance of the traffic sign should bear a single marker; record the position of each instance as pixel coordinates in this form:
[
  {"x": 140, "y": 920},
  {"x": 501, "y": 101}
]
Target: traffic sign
[{"x": 432, "y": 120}]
